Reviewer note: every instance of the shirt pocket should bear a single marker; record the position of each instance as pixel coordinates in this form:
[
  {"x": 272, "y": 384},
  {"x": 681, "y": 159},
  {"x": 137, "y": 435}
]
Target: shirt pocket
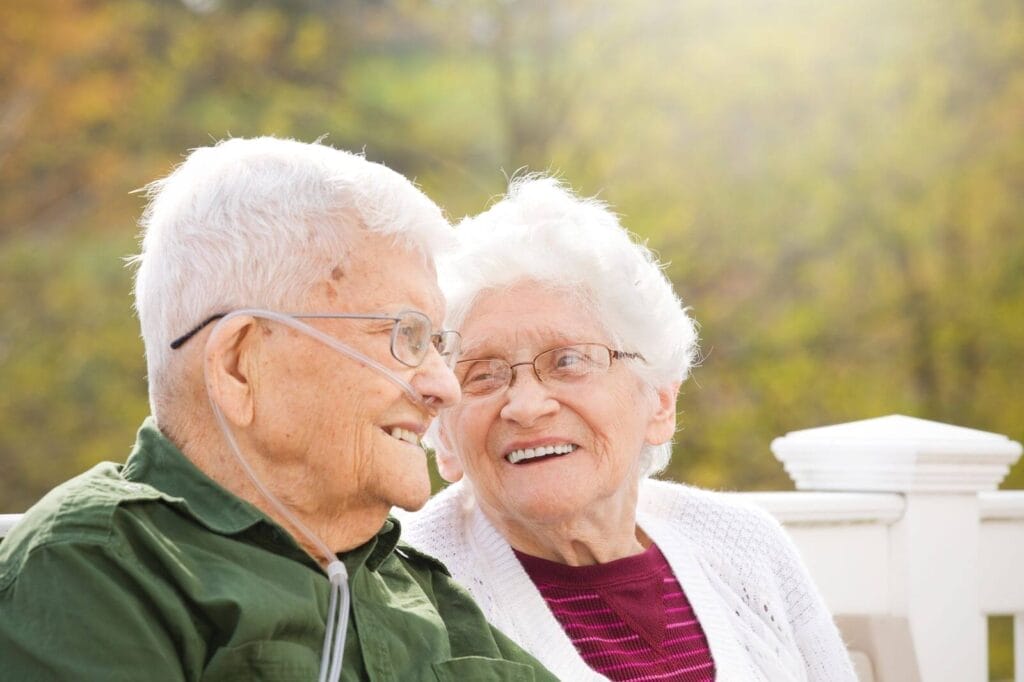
[
  {"x": 270, "y": 661},
  {"x": 481, "y": 669}
]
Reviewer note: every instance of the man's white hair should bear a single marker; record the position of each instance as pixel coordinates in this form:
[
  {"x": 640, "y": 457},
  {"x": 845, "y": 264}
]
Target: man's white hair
[
  {"x": 256, "y": 223},
  {"x": 540, "y": 232}
]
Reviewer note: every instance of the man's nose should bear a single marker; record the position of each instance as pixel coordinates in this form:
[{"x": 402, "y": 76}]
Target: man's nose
[{"x": 436, "y": 382}]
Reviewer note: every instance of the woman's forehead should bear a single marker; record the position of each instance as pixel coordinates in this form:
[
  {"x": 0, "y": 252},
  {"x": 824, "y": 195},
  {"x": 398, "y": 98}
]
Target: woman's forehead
[{"x": 504, "y": 323}]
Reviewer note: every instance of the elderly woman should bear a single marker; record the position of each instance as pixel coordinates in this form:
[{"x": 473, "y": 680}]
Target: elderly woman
[{"x": 574, "y": 347}]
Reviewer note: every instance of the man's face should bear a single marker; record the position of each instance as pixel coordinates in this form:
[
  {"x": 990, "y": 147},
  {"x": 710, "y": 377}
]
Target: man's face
[{"x": 333, "y": 434}]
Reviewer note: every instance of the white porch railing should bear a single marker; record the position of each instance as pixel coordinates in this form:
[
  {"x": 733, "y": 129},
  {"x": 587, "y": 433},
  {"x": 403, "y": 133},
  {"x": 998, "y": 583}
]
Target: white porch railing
[
  {"x": 912, "y": 547},
  {"x": 901, "y": 525}
]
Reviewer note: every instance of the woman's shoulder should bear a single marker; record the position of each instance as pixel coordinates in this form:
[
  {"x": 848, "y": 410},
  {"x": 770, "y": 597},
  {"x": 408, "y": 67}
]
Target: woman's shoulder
[
  {"x": 672, "y": 497},
  {"x": 708, "y": 516},
  {"x": 439, "y": 528},
  {"x": 732, "y": 537}
]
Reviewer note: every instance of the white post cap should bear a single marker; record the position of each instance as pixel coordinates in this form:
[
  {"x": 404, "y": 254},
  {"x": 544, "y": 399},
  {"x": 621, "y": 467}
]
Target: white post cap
[{"x": 896, "y": 454}]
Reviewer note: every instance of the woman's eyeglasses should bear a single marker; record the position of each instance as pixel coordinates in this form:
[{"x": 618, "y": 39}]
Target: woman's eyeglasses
[{"x": 562, "y": 365}]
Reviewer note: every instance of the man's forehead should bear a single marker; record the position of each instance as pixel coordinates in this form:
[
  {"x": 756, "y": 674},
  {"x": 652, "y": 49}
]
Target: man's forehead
[{"x": 386, "y": 276}]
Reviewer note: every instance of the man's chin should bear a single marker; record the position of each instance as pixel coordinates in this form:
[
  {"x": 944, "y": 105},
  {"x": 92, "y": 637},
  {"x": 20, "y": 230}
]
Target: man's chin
[
  {"x": 406, "y": 487},
  {"x": 413, "y": 501},
  {"x": 412, "y": 504}
]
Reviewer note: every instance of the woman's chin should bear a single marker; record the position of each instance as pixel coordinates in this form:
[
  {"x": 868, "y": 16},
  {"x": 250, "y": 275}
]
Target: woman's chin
[{"x": 543, "y": 506}]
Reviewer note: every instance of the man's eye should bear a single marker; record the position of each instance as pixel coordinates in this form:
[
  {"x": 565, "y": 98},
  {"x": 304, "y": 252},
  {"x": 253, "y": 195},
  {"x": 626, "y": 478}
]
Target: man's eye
[{"x": 413, "y": 338}]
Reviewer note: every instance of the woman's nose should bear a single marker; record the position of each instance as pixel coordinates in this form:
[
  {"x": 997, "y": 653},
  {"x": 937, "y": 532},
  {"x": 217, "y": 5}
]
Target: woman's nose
[{"x": 527, "y": 399}]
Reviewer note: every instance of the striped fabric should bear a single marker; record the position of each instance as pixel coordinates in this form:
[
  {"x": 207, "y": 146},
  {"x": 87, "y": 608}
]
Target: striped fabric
[{"x": 629, "y": 618}]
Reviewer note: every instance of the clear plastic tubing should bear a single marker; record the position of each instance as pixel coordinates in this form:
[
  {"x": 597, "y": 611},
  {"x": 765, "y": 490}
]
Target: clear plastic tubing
[{"x": 338, "y": 605}]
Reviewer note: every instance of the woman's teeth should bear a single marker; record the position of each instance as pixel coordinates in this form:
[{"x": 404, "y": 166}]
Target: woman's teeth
[
  {"x": 403, "y": 434},
  {"x": 517, "y": 456}
]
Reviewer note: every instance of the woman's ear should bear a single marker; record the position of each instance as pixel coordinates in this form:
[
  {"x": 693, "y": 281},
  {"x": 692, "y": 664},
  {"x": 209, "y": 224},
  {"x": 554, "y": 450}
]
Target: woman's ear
[
  {"x": 229, "y": 367},
  {"x": 662, "y": 424},
  {"x": 448, "y": 464}
]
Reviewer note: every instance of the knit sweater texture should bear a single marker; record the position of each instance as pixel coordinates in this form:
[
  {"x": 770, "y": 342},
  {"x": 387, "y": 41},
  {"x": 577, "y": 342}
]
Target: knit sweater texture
[{"x": 762, "y": 615}]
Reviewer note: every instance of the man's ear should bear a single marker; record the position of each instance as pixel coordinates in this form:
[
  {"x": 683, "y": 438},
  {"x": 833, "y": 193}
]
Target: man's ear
[
  {"x": 662, "y": 424},
  {"x": 448, "y": 464},
  {"x": 229, "y": 366}
]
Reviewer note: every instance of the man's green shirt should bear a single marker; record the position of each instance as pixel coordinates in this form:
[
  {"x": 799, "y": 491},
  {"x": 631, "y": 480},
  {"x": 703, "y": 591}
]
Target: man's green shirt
[{"x": 151, "y": 571}]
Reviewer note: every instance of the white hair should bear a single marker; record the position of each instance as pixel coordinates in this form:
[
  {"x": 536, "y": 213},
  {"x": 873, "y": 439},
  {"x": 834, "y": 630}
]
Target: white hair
[
  {"x": 256, "y": 223},
  {"x": 540, "y": 232}
]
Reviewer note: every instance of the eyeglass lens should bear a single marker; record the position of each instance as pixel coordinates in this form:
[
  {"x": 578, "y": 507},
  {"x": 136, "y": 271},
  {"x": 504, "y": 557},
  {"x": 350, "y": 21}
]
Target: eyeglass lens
[
  {"x": 413, "y": 336},
  {"x": 567, "y": 364}
]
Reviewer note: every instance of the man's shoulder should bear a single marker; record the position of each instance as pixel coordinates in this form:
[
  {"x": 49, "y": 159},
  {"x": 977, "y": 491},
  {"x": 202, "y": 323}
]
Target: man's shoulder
[
  {"x": 80, "y": 510},
  {"x": 78, "y": 507}
]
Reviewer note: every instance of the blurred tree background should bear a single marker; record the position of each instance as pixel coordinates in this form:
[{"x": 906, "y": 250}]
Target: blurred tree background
[{"x": 838, "y": 187}]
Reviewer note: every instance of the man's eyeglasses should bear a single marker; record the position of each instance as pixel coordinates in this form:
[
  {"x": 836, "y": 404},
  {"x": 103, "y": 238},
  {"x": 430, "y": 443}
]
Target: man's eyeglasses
[
  {"x": 563, "y": 365},
  {"x": 411, "y": 336}
]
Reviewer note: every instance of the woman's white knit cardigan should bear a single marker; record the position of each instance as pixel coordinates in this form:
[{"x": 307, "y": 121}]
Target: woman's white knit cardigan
[{"x": 762, "y": 615}]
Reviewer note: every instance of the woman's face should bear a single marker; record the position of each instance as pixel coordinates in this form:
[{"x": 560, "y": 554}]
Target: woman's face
[{"x": 605, "y": 420}]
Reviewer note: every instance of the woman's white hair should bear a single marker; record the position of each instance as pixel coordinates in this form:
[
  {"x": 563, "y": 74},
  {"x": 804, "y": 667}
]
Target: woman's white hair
[
  {"x": 540, "y": 232},
  {"x": 256, "y": 223}
]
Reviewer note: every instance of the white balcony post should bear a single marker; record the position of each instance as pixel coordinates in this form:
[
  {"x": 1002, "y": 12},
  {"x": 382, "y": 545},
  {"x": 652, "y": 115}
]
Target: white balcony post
[{"x": 934, "y": 572}]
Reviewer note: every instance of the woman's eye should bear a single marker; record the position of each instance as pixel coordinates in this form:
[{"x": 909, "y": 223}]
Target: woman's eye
[
  {"x": 478, "y": 374},
  {"x": 568, "y": 358}
]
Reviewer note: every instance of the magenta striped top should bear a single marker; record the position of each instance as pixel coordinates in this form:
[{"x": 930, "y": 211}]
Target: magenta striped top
[{"x": 629, "y": 618}]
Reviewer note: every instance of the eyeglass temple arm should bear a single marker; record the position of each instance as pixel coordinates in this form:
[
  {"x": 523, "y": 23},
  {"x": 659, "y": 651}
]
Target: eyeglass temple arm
[{"x": 180, "y": 341}]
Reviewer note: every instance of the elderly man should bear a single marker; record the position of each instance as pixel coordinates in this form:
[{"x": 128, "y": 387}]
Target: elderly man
[{"x": 289, "y": 310}]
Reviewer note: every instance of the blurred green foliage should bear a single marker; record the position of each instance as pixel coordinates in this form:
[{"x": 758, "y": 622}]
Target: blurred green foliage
[
  {"x": 838, "y": 187},
  {"x": 1000, "y": 637}
]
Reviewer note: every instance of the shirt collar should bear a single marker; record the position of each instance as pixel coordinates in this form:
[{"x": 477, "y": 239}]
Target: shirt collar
[
  {"x": 157, "y": 462},
  {"x": 373, "y": 553}
]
